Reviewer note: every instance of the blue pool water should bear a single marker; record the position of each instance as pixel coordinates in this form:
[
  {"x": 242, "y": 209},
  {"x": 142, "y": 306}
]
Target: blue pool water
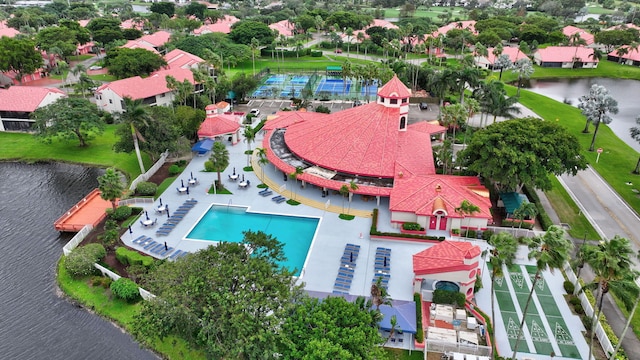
[{"x": 226, "y": 223}]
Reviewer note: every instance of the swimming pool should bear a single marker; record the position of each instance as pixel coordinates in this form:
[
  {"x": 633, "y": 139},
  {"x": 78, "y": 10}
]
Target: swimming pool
[{"x": 226, "y": 223}]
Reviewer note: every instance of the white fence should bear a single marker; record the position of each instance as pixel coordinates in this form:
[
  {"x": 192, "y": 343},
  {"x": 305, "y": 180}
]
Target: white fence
[
  {"x": 150, "y": 172},
  {"x": 77, "y": 239},
  {"x": 447, "y": 347},
  {"x": 134, "y": 201},
  {"x": 588, "y": 309}
]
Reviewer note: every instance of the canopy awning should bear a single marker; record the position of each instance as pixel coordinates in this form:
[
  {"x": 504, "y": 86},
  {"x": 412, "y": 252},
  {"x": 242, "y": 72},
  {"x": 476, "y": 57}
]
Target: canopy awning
[
  {"x": 202, "y": 146},
  {"x": 512, "y": 201}
]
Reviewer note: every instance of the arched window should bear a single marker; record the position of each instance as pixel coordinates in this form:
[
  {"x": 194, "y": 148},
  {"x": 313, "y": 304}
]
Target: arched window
[{"x": 403, "y": 123}]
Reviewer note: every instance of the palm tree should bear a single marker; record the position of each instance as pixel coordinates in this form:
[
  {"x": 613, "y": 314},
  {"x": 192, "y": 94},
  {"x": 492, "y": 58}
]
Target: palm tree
[
  {"x": 504, "y": 106},
  {"x": 622, "y": 51},
  {"x": 262, "y": 159},
  {"x": 219, "y": 159},
  {"x": 110, "y": 186},
  {"x": 453, "y": 117},
  {"x": 78, "y": 69},
  {"x": 352, "y": 187},
  {"x": 502, "y": 254},
  {"x": 524, "y": 68},
  {"x": 344, "y": 191},
  {"x": 630, "y": 317},
  {"x": 135, "y": 114},
  {"x": 294, "y": 175},
  {"x": 379, "y": 294},
  {"x": 596, "y": 107},
  {"x": 467, "y": 75},
  {"x": 255, "y": 45},
  {"x": 347, "y": 72},
  {"x": 467, "y": 208},
  {"x": 503, "y": 62},
  {"x": 635, "y": 135},
  {"x": 249, "y": 135},
  {"x": 349, "y": 33},
  {"x": 550, "y": 251},
  {"x": 611, "y": 263},
  {"x": 525, "y": 210}
]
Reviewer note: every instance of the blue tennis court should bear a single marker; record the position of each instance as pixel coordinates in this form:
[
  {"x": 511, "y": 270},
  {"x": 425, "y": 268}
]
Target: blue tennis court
[
  {"x": 334, "y": 86},
  {"x": 299, "y": 80},
  {"x": 276, "y": 79},
  {"x": 371, "y": 90}
]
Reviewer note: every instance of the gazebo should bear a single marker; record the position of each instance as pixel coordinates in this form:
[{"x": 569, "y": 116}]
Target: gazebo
[{"x": 216, "y": 125}]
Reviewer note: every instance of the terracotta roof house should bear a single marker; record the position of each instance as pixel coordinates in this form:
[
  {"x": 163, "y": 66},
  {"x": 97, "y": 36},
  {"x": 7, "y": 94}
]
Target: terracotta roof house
[
  {"x": 18, "y": 102},
  {"x": 463, "y": 25},
  {"x": 182, "y": 59},
  {"x": 632, "y": 56},
  {"x": 623, "y": 27},
  {"x": 448, "y": 264},
  {"x": 135, "y": 44},
  {"x": 152, "y": 90},
  {"x": 7, "y": 31},
  {"x": 374, "y": 146},
  {"x": 383, "y": 24},
  {"x": 489, "y": 61},
  {"x": 570, "y": 31},
  {"x": 217, "y": 124},
  {"x": 285, "y": 28},
  {"x": 222, "y": 26},
  {"x": 152, "y": 41},
  {"x": 576, "y": 57}
]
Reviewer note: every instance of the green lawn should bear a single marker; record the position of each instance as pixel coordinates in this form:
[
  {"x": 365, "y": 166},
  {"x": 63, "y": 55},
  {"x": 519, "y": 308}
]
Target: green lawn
[
  {"x": 569, "y": 212},
  {"x": 103, "y": 77},
  {"x": 605, "y": 68},
  {"x": 25, "y": 147},
  {"x": 304, "y": 63},
  {"x": 79, "y": 58},
  {"x": 433, "y": 12},
  {"x": 398, "y": 354}
]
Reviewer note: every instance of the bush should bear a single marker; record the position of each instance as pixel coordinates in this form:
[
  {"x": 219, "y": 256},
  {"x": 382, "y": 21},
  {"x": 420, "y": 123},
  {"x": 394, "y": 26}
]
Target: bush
[
  {"x": 131, "y": 257},
  {"x": 471, "y": 233},
  {"x": 574, "y": 300},
  {"x": 208, "y": 166},
  {"x": 121, "y": 213},
  {"x": 247, "y": 168},
  {"x": 374, "y": 231},
  {"x": 412, "y": 226},
  {"x": 486, "y": 235},
  {"x": 146, "y": 188},
  {"x": 316, "y": 53},
  {"x": 346, "y": 217},
  {"x": 174, "y": 170},
  {"x": 578, "y": 309},
  {"x": 323, "y": 109},
  {"x": 569, "y": 287},
  {"x": 80, "y": 261},
  {"x": 448, "y": 297},
  {"x": 125, "y": 289}
]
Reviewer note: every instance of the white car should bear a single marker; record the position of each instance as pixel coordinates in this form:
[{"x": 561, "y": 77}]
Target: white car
[
  {"x": 254, "y": 112},
  {"x": 95, "y": 67}
]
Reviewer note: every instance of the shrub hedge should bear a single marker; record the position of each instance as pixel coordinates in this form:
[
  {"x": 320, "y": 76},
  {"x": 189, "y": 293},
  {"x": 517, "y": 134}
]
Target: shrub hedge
[
  {"x": 146, "y": 188},
  {"x": 517, "y": 224},
  {"x": 412, "y": 226},
  {"x": 121, "y": 213},
  {"x": 448, "y": 297},
  {"x": 129, "y": 257},
  {"x": 543, "y": 218},
  {"x": 80, "y": 261},
  {"x": 125, "y": 289},
  {"x": 420, "y": 331},
  {"x": 569, "y": 287},
  {"x": 174, "y": 170}
]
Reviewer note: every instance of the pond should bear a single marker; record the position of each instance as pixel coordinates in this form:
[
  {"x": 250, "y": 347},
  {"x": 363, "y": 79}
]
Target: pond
[
  {"x": 36, "y": 322},
  {"x": 624, "y": 91}
]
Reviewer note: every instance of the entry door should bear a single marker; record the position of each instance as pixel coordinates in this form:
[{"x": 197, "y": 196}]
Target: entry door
[
  {"x": 443, "y": 223},
  {"x": 433, "y": 223}
]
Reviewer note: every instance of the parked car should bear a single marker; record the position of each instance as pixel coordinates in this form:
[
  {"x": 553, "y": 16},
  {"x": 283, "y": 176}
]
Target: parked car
[
  {"x": 357, "y": 103},
  {"x": 95, "y": 67},
  {"x": 254, "y": 112},
  {"x": 338, "y": 51},
  {"x": 424, "y": 106}
]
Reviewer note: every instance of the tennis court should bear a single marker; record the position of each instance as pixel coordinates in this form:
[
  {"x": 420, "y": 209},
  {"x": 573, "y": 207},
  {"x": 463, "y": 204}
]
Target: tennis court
[
  {"x": 301, "y": 80},
  {"x": 334, "y": 86},
  {"x": 546, "y": 331},
  {"x": 275, "y": 79}
]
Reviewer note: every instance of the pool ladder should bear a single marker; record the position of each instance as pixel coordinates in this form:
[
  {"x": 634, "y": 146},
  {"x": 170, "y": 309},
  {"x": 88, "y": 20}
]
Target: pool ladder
[{"x": 229, "y": 204}]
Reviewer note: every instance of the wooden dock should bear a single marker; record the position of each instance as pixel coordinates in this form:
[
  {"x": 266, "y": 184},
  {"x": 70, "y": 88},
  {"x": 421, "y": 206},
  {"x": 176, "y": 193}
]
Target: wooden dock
[{"x": 89, "y": 210}]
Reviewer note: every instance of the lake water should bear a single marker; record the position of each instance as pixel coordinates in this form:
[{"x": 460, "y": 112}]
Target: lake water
[
  {"x": 35, "y": 323},
  {"x": 624, "y": 91}
]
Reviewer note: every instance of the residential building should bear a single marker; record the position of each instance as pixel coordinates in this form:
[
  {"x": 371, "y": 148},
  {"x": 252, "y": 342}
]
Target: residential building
[
  {"x": 567, "y": 57},
  {"x": 154, "y": 41},
  {"x": 284, "y": 28},
  {"x": 221, "y": 25},
  {"x": 489, "y": 61},
  {"x": 18, "y": 102},
  {"x": 628, "y": 56}
]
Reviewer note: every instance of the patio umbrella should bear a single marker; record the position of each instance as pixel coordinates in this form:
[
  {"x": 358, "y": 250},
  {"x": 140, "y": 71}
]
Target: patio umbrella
[
  {"x": 243, "y": 177},
  {"x": 160, "y": 201},
  {"x": 146, "y": 214},
  {"x": 234, "y": 171},
  {"x": 192, "y": 174},
  {"x": 167, "y": 207},
  {"x": 182, "y": 182},
  {"x": 385, "y": 261},
  {"x": 130, "y": 231},
  {"x": 187, "y": 190},
  {"x": 351, "y": 257}
]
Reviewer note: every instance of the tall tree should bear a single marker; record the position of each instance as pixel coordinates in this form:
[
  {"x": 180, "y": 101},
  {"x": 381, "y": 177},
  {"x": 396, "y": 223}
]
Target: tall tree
[
  {"x": 503, "y": 252},
  {"x": 502, "y": 62},
  {"x": 111, "y": 186},
  {"x": 233, "y": 310},
  {"x": 467, "y": 208},
  {"x": 612, "y": 356},
  {"x": 353, "y": 187},
  {"x": 255, "y": 45},
  {"x": 19, "y": 55},
  {"x": 525, "y": 210},
  {"x": 331, "y": 328},
  {"x": 526, "y": 151},
  {"x": 596, "y": 107},
  {"x": 135, "y": 115},
  {"x": 524, "y": 69},
  {"x": 294, "y": 175},
  {"x": 453, "y": 117},
  {"x": 219, "y": 159},
  {"x": 249, "y": 136},
  {"x": 611, "y": 263},
  {"x": 262, "y": 159},
  {"x": 550, "y": 251},
  {"x": 124, "y": 62},
  {"x": 68, "y": 119},
  {"x": 635, "y": 134}
]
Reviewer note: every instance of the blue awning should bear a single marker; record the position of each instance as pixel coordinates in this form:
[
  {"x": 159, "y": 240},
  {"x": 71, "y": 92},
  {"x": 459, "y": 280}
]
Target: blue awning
[
  {"x": 512, "y": 201},
  {"x": 202, "y": 146}
]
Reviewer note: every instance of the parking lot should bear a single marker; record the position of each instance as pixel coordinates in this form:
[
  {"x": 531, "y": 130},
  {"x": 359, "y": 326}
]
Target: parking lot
[{"x": 271, "y": 106}]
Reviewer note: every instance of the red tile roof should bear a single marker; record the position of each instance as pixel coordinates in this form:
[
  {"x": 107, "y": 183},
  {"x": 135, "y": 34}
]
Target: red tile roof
[
  {"x": 181, "y": 59},
  {"x": 8, "y": 32},
  {"x": 394, "y": 89},
  {"x": 623, "y": 27},
  {"x": 384, "y": 24},
  {"x": 633, "y": 54},
  {"x": 566, "y": 54},
  {"x": 446, "y": 256},
  {"x": 417, "y": 194},
  {"x": 157, "y": 39},
  {"x": 25, "y": 98},
  {"x": 222, "y": 26},
  {"x": 215, "y": 125},
  {"x": 130, "y": 24},
  {"x": 136, "y": 44},
  {"x": 514, "y": 54},
  {"x": 463, "y": 25},
  {"x": 140, "y": 88},
  {"x": 363, "y": 140},
  {"x": 584, "y": 35},
  {"x": 284, "y": 27}
]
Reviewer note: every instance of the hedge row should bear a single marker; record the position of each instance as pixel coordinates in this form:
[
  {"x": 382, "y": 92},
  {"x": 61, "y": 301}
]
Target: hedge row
[
  {"x": 448, "y": 297},
  {"x": 543, "y": 218},
  {"x": 286, "y": 53},
  {"x": 420, "y": 331},
  {"x": 130, "y": 257},
  {"x": 517, "y": 223},
  {"x": 374, "y": 231}
]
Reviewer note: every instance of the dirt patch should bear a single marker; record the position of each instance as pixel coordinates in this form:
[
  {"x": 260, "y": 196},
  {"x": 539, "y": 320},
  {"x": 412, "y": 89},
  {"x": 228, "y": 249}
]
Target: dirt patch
[{"x": 161, "y": 174}]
